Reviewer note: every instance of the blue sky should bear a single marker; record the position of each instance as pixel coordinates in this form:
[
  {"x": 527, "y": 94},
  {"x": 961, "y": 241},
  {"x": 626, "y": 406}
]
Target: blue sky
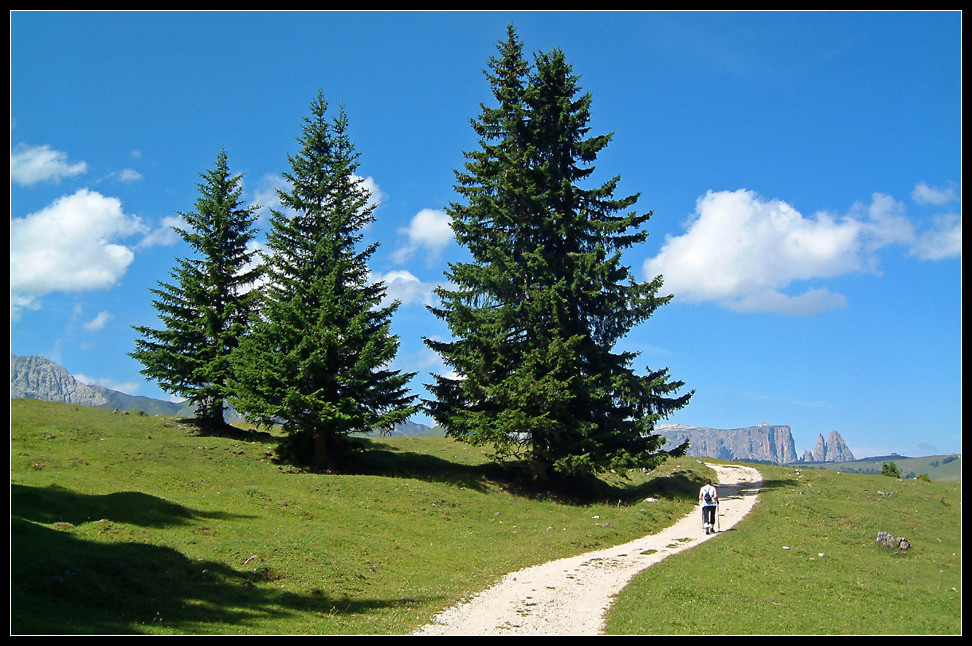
[{"x": 804, "y": 170}]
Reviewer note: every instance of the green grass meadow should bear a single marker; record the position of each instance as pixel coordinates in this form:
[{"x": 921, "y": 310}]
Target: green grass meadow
[
  {"x": 806, "y": 561},
  {"x": 122, "y": 523},
  {"x": 135, "y": 524}
]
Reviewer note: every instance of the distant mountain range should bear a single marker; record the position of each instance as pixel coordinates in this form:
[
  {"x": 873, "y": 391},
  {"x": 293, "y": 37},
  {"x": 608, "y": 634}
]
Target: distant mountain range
[
  {"x": 760, "y": 443},
  {"x": 35, "y": 377}
]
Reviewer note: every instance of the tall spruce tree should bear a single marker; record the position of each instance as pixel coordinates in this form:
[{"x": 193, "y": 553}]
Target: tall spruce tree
[
  {"x": 318, "y": 360},
  {"x": 536, "y": 313},
  {"x": 205, "y": 311}
]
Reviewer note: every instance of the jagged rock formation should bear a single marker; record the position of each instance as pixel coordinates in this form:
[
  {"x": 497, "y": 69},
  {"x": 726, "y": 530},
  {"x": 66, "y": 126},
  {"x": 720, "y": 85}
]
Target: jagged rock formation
[
  {"x": 762, "y": 443},
  {"x": 836, "y": 450},
  {"x": 820, "y": 450},
  {"x": 34, "y": 377},
  {"x": 40, "y": 378}
]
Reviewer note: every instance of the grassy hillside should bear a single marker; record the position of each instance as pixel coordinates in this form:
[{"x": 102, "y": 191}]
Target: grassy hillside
[
  {"x": 126, "y": 523},
  {"x": 806, "y": 561},
  {"x": 941, "y": 468}
]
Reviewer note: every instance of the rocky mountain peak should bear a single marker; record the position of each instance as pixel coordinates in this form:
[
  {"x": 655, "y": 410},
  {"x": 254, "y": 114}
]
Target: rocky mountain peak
[
  {"x": 762, "y": 443},
  {"x": 39, "y": 378}
]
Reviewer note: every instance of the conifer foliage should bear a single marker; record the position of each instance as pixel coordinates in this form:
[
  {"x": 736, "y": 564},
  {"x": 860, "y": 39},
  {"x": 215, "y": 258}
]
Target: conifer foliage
[
  {"x": 318, "y": 358},
  {"x": 206, "y": 309},
  {"x": 536, "y": 312}
]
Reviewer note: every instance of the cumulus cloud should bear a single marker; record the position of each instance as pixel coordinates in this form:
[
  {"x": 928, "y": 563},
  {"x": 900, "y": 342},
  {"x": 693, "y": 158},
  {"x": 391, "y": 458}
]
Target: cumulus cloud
[
  {"x": 404, "y": 286},
  {"x": 33, "y": 164},
  {"x": 743, "y": 252},
  {"x": 266, "y": 197},
  {"x": 430, "y": 231},
  {"x": 376, "y": 196},
  {"x": 71, "y": 245}
]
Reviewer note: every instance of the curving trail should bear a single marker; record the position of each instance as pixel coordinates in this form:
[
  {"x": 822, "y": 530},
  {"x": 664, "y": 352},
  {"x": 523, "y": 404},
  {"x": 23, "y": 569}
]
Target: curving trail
[{"x": 570, "y": 596}]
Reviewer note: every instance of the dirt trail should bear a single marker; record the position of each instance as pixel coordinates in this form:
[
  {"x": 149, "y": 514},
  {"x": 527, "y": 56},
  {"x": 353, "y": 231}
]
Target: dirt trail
[{"x": 571, "y": 596}]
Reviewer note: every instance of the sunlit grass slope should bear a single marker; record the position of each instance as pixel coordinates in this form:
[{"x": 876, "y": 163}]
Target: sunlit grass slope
[
  {"x": 128, "y": 523},
  {"x": 806, "y": 561}
]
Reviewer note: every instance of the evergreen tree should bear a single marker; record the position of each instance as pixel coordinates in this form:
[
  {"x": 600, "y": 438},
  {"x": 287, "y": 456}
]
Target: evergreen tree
[
  {"x": 206, "y": 309},
  {"x": 537, "y": 311},
  {"x": 318, "y": 359}
]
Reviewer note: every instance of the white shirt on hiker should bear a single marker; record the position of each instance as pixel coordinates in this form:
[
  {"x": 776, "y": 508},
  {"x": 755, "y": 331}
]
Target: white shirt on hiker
[{"x": 713, "y": 494}]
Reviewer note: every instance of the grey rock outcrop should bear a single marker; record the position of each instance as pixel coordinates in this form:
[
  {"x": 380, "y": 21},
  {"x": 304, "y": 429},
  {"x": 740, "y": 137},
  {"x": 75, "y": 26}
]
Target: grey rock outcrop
[
  {"x": 891, "y": 542},
  {"x": 837, "y": 449},
  {"x": 39, "y": 378},
  {"x": 834, "y": 449},
  {"x": 820, "y": 450},
  {"x": 761, "y": 443},
  {"x": 35, "y": 377}
]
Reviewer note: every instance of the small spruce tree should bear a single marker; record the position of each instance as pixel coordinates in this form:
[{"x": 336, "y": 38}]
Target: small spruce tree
[
  {"x": 318, "y": 360},
  {"x": 890, "y": 469},
  {"x": 205, "y": 310}
]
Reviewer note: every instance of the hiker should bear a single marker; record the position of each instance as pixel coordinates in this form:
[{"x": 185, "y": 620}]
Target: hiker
[{"x": 709, "y": 498}]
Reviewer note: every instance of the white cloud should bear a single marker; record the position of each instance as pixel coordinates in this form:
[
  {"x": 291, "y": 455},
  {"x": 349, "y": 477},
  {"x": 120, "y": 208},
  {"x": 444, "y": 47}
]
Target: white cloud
[
  {"x": 129, "y": 387},
  {"x": 267, "y": 198},
  {"x": 942, "y": 242},
  {"x": 98, "y": 322},
  {"x": 742, "y": 251},
  {"x": 375, "y": 192},
  {"x": 71, "y": 245},
  {"x": 128, "y": 175},
  {"x": 429, "y": 230},
  {"x": 404, "y": 286},
  {"x": 925, "y": 194},
  {"x": 163, "y": 235},
  {"x": 32, "y": 164}
]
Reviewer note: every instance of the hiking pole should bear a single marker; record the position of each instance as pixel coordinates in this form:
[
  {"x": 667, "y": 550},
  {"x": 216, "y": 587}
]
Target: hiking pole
[{"x": 718, "y": 521}]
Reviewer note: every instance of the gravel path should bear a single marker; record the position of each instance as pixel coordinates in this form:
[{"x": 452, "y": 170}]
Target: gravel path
[{"x": 571, "y": 596}]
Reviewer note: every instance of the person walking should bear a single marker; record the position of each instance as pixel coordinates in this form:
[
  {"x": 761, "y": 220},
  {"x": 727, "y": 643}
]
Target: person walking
[{"x": 709, "y": 499}]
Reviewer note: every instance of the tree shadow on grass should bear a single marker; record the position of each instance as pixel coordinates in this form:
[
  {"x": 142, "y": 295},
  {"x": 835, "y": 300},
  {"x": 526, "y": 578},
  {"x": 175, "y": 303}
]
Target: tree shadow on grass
[
  {"x": 516, "y": 477},
  {"x": 61, "y": 584},
  {"x": 381, "y": 459},
  {"x": 229, "y": 431},
  {"x": 54, "y": 504}
]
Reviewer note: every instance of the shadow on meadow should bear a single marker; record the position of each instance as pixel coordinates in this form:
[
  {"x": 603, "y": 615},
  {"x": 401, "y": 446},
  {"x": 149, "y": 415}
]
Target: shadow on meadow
[
  {"x": 63, "y": 584},
  {"x": 55, "y": 504},
  {"x": 518, "y": 478}
]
